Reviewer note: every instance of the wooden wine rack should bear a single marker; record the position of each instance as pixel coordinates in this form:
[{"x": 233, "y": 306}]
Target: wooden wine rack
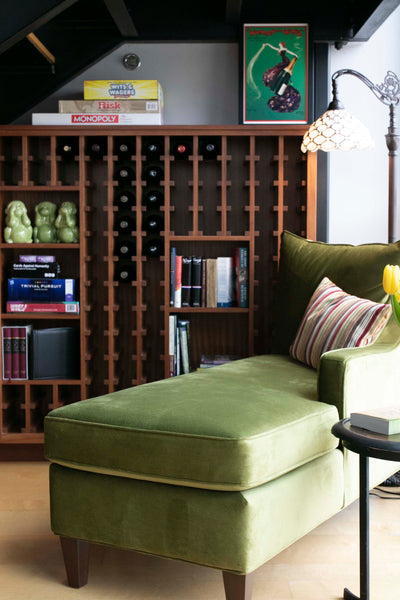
[{"x": 259, "y": 185}]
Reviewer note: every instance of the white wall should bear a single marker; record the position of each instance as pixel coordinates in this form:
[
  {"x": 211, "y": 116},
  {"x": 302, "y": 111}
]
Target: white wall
[
  {"x": 358, "y": 180},
  {"x": 200, "y": 80}
]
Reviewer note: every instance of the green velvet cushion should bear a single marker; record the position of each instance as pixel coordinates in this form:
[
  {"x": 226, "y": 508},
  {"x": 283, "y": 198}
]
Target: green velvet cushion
[
  {"x": 234, "y": 531},
  {"x": 231, "y": 427},
  {"x": 357, "y": 270}
]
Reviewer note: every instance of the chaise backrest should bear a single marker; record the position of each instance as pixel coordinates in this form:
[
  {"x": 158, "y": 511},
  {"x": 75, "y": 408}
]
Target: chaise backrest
[{"x": 303, "y": 263}]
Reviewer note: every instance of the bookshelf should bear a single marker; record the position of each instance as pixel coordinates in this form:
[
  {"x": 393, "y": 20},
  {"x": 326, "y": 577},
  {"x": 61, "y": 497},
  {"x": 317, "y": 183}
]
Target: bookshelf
[{"x": 258, "y": 185}]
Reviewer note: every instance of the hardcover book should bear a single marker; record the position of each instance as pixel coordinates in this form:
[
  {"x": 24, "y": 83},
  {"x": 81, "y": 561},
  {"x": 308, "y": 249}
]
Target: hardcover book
[
  {"x": 385, "y": 420},
  {"x": 172, "y": 268},
  {"x": 172, "y": 345},
  {"x": 211, "y": 282},
  {"x": 195, "y": 292},
  {"x": 225, "y": 295},
  {"x": 186, "y": 279},
  {"x": 41, "y": 290},
  {"x": 242, "y": 277},
  {"x": 6, "y": 345},
  {"x": 178, "y": 282}
]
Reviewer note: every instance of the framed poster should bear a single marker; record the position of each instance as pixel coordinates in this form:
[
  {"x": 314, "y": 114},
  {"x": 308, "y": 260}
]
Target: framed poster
[{"x": 275, "y": 73}]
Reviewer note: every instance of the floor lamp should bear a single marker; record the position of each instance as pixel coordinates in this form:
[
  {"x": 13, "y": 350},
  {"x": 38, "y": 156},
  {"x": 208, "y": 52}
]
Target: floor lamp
[{"x": 337, "y": 129}]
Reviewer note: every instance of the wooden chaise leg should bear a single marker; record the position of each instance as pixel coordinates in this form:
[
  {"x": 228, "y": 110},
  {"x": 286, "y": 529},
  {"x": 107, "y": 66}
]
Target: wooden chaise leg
[
  {"x": 76, "y": 560},
  {"x": 238, "y": 587}
]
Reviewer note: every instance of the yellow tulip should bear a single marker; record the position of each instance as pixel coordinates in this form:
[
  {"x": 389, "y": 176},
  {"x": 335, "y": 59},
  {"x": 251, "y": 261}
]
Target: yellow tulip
[{"x": 391, "y": 279}]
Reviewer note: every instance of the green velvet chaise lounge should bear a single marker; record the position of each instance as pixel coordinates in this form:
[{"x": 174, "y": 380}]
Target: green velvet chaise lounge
[{"x": 227, "y": 467}]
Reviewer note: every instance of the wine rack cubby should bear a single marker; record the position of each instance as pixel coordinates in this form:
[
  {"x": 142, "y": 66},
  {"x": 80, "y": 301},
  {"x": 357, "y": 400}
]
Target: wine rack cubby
[{"x": 253, "y": 185}]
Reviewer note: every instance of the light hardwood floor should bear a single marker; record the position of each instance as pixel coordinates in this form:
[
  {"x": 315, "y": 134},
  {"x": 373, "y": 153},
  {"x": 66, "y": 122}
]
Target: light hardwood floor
[{"x": 317, "y": 567}]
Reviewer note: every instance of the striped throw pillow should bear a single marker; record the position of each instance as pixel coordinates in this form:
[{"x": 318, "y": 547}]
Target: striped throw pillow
[{"x": 334, "y": 319}]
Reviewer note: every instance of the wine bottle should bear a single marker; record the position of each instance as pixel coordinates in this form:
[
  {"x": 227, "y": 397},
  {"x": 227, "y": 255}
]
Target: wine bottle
[
  {"x": 124, "y": 272},
  {"x": 153, "y": 199},
  {"x": 153, "y": 174},
  {"x": 125, "y": 248},
  {"x": 125, "y": 199},
  {"x": 67, "y": 148},
  {"x": 96, "y": 148},
  {"x": 123, "y": 149},
  {"x": 281, "y": 81},
  {"x": 125, "y": 224},
  {"x": 124, "y": 174},
  {"x": 153, "y": 149},
  {"x": 153, "y": 247},
  {"x": 210, "y": 148},
  {"x": 182, "y": 150},
  {"x": 153, "y": 222}
]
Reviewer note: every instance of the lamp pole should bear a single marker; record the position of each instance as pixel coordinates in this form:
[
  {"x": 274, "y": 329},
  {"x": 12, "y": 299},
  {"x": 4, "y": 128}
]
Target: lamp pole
[{"x": 389, "y": 93}]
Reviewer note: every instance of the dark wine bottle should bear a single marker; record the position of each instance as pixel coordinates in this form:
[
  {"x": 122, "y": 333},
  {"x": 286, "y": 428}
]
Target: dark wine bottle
[
  {"x": 96, "y": 148},
  {"x": 123, "y": 148},
  {"x": 153, "y": 149},
  {"x": 153, "y": 199},
  {"x": 210, "y": 148},
  {"x": 153, "y": 174},
  {"x": 153, "y": 247},
  {"x": 282, "y": 80},
  {"x": 125, "y": 224},
  {"x": 182, "y": 150},
  {"x": 124, "y": 272},
  {"x": 125, "y": 248},
  {"x": 124, "y": 199},
  {"x": 124, "y": 174},
  {"x": 68, "y": 148},
  {"x": 153, "y": 222}
]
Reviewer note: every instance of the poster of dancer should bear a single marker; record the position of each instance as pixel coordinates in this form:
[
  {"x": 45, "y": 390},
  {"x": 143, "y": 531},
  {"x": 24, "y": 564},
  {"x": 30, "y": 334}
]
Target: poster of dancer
[{"x": 275, "y": 73}]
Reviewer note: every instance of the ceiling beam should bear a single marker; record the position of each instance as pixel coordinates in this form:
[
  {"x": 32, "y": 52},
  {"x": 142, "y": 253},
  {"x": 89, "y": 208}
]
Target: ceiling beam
[
  {"x": 232, "y": 11},
  {"x": 18, "y": 21},
  {"x": 121, "y": 17},
  {"x": 375, "y": 20}
]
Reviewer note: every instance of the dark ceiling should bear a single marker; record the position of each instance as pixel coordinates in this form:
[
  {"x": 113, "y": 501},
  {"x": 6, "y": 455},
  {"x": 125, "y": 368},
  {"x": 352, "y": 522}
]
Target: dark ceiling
[{"x": 79, "y": 32}]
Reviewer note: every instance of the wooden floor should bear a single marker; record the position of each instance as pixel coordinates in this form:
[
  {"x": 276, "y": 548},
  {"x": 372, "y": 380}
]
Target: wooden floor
[{"x": 317, "y": 567}]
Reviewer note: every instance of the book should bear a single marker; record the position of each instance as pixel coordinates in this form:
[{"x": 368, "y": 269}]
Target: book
[
  {"x": 186, "y": 279},
  {"x": 172, "y": 345},
  {"x": 43, "y": 307},
  {"x": 225, "y": 295},
  {"x": 196, "y": 289},
  {"x": 172, "y": 267},
  {"x": 36, "y": 258},
  {"x": 109, "y": 106},
  {"x": 54, "y": 353},
  {"x": 32, "y": 269},
  {"x": 203, "y": 281},
  {"x": 146, "y": 118},
  {"x": 14, "y": 353},
  {"x": 242, "y": 277},
  {"x": 184, "y": 345},
  {"x": 135, "y": 89},
  {"x": 6, "y": 345},
  {"x": 23, "y": 338},
  {"x": 211, "y": 283},
  {"x": 178, "y": 281},
  {"x": 213, "y": 360},
  {"x": 41, "y": 290},
  {"x": 385, "y": 420}
]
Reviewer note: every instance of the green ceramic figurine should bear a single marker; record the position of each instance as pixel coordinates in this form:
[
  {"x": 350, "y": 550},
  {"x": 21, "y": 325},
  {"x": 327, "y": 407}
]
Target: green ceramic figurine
[
  {"x": 45, "y": 216},
  {"x": 18, "y": 225},
  {"x": 67, "y": 229}
]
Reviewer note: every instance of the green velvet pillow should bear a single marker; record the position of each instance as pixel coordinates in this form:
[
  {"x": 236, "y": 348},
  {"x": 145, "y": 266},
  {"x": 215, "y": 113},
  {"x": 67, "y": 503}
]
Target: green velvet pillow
[{"x": 357, "y": 270}]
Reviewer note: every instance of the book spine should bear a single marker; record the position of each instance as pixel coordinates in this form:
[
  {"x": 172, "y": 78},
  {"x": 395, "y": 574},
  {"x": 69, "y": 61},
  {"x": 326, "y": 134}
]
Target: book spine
[
  {"x": 211, "y": 282},
  {"x": 22, "y": 338},
  {"x": 43, "y": 307},
  {"x": 182, "y": 325},
  {"x": 178, "y": 282},
  {"x": 242, "y": 277},
  {"x": 178, "y": 349},
  {"x": 195, "y": 292},
  {"x": 225, "y": 297},
  {"x": 14, "y": 353},
  {"x": 203, "y": 281},
  {"x": 172, "y": 277},
  {"x": 172, "y": 345},
  {"x": 6, "y": 332},
  {"x": 186, "y": 279},
  {"x": 41, "y": 290}
]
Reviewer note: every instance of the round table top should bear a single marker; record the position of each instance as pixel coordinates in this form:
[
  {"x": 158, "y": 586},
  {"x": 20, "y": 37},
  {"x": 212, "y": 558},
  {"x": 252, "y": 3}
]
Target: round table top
[{"x": 367, "y": 442}]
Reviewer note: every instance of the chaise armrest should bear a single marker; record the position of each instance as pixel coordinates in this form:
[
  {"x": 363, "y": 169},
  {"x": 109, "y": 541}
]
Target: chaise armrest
[{"x": 355, "y": 379}]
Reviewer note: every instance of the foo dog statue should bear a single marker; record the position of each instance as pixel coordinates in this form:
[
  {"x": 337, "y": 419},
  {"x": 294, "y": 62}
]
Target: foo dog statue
[
  {"x": 67, "y": 229},
  {"x": 18, "y": 225},
  {"x": 45, "y": 217}
]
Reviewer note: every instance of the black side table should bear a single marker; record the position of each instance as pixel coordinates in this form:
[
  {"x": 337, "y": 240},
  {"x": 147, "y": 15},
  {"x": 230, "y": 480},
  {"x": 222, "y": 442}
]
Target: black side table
[{"x": 366, "y": 444}]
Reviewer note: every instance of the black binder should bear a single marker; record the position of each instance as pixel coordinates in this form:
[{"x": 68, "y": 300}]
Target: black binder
[{"x": 54, "y": 353}]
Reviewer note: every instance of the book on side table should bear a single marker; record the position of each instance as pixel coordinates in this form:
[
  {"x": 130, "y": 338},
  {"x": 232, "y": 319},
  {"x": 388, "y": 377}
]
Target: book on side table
[{"x": 385, "y": 420}]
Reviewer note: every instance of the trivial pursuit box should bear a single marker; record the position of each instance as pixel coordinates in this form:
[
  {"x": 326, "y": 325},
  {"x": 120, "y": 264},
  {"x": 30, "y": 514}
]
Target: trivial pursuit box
[{"x": 130, "y": 89}]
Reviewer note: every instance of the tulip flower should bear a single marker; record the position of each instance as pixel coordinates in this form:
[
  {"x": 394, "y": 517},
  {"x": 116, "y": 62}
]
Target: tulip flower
[{"x": 391, "y": 285}]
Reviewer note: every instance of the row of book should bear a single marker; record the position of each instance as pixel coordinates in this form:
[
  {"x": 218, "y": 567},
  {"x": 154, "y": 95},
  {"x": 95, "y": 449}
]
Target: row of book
[
  {"x": 39, "y": 353},
  {"x": 35, "y": 285},
  {"x": 210, "y": 282},
  {"x": 110, "y": 102}
]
